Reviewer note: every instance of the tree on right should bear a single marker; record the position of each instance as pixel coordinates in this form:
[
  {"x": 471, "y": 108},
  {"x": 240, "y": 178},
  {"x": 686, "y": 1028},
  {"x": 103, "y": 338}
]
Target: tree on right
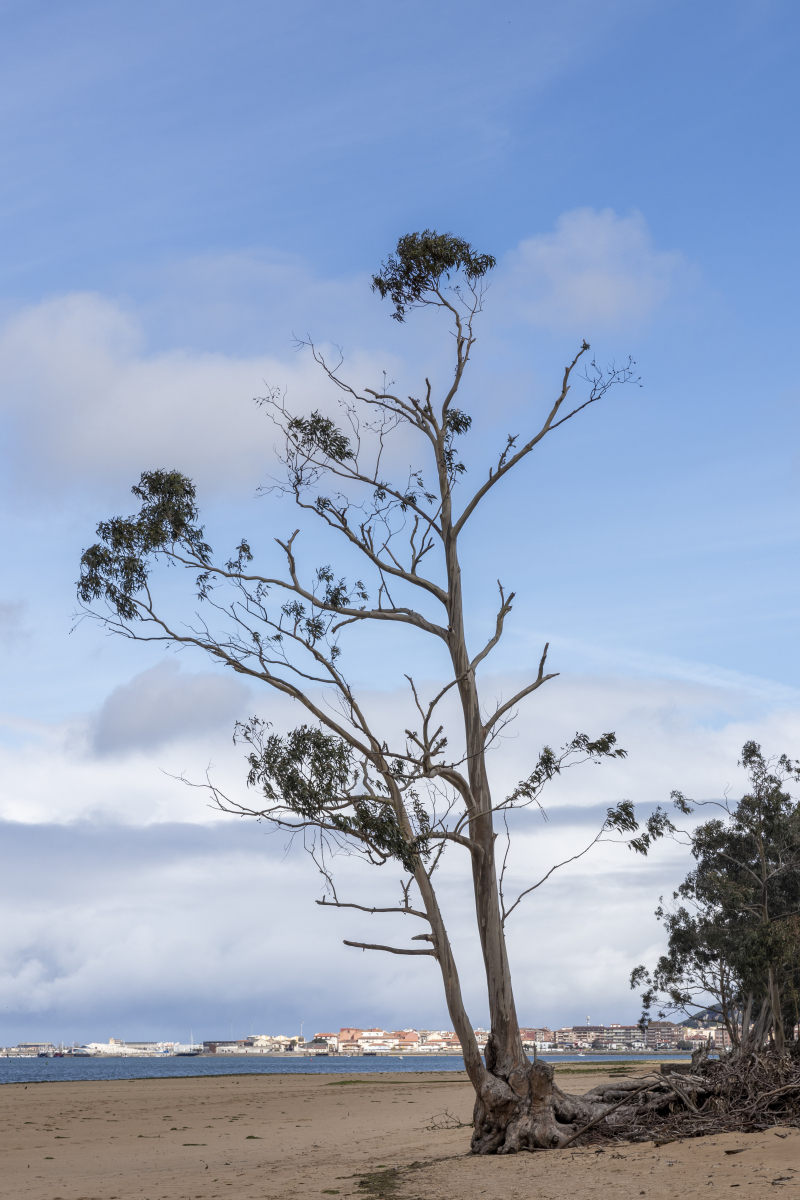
[{"x": 734, "y": 925}]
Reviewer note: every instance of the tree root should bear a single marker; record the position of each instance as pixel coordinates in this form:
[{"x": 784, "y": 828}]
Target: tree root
[{"x": 741, "y": 1092}]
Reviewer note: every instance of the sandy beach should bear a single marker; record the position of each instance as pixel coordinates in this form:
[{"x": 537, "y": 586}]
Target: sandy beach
[{"x": 404, "y": 1137}]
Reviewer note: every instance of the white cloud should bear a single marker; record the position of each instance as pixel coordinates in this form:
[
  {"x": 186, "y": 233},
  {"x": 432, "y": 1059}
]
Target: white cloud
[
  {"x": 126, "y": 898},
  {"x": 90, "y": 402},
  {"x": 142, "y": 928},
  {"x": 256, "y": 299},
  {"x": 89, "y": 405},
  {"x": 596, "y": 271},
  {"x": 678, "y": 734},
  {"x": 131, "y": 933},
  {"x": 123, "y": 763},
  {"x": 164, "y": 704}
]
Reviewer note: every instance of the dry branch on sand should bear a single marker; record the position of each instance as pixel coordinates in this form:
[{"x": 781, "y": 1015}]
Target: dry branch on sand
[{"x": 737, "y": 1094}]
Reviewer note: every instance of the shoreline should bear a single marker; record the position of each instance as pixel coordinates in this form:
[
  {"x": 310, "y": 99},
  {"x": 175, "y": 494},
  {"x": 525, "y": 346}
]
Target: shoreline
[
  {"x": 111, "y": 1069},
  {"x": 393, "y": 1135},
  {"x": 560, "y": 1056}
]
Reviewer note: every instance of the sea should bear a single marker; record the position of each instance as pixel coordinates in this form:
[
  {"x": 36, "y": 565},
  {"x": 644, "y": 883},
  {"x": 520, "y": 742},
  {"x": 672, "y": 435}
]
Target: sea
[{"x": 70, "y": 1070}]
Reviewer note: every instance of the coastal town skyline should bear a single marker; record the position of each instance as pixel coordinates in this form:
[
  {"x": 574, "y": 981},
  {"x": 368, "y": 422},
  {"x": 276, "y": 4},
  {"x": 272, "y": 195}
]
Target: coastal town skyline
[{"x": 658, "y": 1035}]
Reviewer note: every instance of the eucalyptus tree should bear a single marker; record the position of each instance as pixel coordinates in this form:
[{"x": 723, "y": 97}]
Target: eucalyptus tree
[
  {"x": 734, "y": 929},
  {"x": 336, "y": 779}
]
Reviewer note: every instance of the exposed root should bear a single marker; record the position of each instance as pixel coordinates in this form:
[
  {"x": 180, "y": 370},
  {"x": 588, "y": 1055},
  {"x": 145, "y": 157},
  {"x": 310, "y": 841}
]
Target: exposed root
[{"x": 735, "y": 1094}]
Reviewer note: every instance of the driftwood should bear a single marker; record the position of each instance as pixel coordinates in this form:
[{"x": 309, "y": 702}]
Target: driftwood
[{"x": 738, "y": 1093}]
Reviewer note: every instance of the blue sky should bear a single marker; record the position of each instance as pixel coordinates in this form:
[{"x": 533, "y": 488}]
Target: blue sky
[{"x": 186, "y": 186}]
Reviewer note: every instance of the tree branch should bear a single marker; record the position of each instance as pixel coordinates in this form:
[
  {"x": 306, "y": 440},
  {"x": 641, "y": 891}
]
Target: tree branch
[
  {"x": 388, "y": 949},
  {"x": 504, "y": 466},
  {"x": 537, "y": 683},
  {"x": 556, "y": 867},
  {"x": 448, "y": 836},
  {"x": 412, "y": 912},
  {"x": 585, "y": 1129},
  {"x": 407, "y": 615},
  {"x": 505, "y": 609}
]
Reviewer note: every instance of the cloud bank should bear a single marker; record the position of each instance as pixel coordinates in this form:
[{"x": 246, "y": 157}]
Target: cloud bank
[
  {"x": 113, "y": 931},
  {"x": 163, "y": 705},
  {"x": 596, "y": 271},
  {"x": 88, "y": 405},
  {"x": 89, "y": 402},
  {"x": 131, "y": 909},
  {"x": 112, "y": 763}
]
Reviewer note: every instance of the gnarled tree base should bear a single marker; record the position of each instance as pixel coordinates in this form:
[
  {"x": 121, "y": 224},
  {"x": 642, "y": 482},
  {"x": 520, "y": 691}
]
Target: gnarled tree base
[{"x": 528, "y": 1111}]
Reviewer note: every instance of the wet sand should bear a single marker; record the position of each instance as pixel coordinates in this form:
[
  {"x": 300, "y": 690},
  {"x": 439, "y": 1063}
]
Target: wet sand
[{"x": 404, "y": 1137}]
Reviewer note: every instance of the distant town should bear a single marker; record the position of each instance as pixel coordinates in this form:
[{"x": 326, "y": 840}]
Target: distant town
[{"x": 352, "y": 1041}]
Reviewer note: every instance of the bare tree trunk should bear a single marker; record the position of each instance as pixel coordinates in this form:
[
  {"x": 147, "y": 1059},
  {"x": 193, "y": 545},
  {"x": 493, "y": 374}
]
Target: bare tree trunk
[
  {"x": 760, "y": 1028},
  {"x": 452, "y": 985},
  {"x": 747, "y": 1017},
  {"x": 728, "y": 1013},
  {"x": 775, "y": 1005},
  {"x": 517, "y": 1106}
]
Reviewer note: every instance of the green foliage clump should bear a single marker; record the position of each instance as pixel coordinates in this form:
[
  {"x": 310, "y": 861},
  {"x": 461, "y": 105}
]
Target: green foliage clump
[
  {"x": 420, "y": 262},
  {"x": 116, "y": 567},
  {"x": 315, "y": 776},
  {"x": 319, "y": 434}
]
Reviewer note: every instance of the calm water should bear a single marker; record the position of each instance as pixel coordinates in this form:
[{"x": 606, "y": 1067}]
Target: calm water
[{"x": 53, "y": 1070}]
